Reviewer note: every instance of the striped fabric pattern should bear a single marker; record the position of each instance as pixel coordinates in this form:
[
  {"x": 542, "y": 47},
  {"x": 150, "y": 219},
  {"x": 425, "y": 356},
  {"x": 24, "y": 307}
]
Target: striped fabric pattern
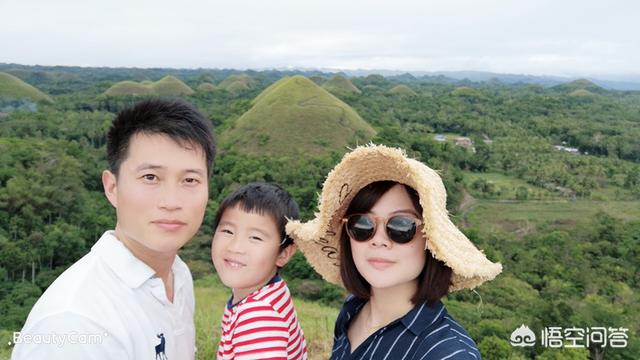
[
  {"x": 424, "y": 333},
  {"x": 262, "y": 326}
]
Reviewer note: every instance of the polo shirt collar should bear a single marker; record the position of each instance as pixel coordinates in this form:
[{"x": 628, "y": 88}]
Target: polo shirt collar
[
  {"x": 419, "y": 318},
  {"x": 273, "y": 280},
  {"x": 131, "y": 270}
]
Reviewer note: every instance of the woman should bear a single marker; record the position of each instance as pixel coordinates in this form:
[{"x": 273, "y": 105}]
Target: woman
[{"x": 383, "y": 232}]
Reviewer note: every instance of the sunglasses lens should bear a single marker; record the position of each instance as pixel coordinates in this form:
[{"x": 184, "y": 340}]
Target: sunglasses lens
[
  {"x": 401, "y": 229},
  {"x": 360, "y": 227}
]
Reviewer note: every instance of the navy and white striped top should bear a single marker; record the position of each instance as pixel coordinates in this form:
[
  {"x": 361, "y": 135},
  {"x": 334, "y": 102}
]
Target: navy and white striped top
[{"x": 424, "y": 333}]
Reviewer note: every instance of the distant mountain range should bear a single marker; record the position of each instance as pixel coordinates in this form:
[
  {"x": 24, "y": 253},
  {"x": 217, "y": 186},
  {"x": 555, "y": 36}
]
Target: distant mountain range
[
  {"x": 609, "y": 82},
  {"x": 618, "y": 82}
]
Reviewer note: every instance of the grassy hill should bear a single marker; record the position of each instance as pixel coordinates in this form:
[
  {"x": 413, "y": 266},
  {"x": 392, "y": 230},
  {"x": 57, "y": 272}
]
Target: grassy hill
[
  {"x": 295, "y": 116},
  {"x": 581, "y": 93},
  {"x": 269, "y": 89},
  {"x": 206, "y": 87},
  {"x": 237, "y": 84},
  {"x": 171, "y": 86},
  {"x": 13, "y": 87},
  {"x": 128, "y": 88},
  {"x": 167, "y": 86},
  {"x": 340, "y": 85},
  {"x": 374, "y": 79},
  {"x": 318, "y": 79},
  {"x": 465, "y": 91},
  {"x": 580, "y": 84},
  {"x": 402, "y": 91}
]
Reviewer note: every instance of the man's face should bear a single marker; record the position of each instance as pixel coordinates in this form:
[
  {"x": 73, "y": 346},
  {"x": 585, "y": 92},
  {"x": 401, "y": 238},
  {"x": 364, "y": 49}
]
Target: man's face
[{"x": 160, "y": 193}]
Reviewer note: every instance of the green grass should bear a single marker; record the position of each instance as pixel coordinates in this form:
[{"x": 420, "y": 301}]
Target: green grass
[
  {"x": 317, "y": 321},
  {"x": 340, "y": 85},
  {"x": 523, "y": 217},
  {"x": 13, "y": 87},
  {"x": 297, "y": 117},
  {"x": 506, "y": 184},
  {"x": 5, "y": 349},
  {"x": 269, "y": 89}
]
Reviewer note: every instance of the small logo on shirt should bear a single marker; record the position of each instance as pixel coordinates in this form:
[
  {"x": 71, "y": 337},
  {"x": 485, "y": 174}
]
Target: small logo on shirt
[
  {"x": 523, "y": 336},
  {"x": 160, "y": 355}
]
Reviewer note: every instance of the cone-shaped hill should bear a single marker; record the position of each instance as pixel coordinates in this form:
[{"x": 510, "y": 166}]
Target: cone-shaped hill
[
  {"x": 167, "y": 86},
  {"x": 128, "y": 88},
  {"x": 171, "y": 86},
  {"x": 402, "y": 91},
  {"x": 581, "y": 93},
  {"x": 340, "y": 85},
  {"x": 236, "y": 84},
  {"x": 269, "y": 89},
  {"x": 580, "y": 84},
  {"x": 14, "y": 88},
  {"x": 206, "y": 87},
  {"x": 318, "y": 79},
  {"x": 294, "y": 116}
]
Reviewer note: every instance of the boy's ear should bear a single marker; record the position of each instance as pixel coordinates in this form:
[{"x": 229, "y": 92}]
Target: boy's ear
[
  {"x": 109, "y": 182},
  {"x": 285, "y": 255}
]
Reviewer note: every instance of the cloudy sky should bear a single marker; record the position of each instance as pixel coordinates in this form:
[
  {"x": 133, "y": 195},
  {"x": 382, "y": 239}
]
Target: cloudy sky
[{"x": 552, "y": 37}]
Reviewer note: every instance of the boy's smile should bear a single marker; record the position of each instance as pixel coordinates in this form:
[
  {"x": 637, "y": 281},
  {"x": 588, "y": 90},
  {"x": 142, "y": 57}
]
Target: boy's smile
[{"x": 246, "y": 250}]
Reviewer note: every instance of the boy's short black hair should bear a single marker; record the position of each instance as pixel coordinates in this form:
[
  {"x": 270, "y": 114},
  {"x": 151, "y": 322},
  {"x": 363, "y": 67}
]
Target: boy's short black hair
[
  {"x": 434, "y": 279},
  {"x": 263, "y": 198},
  {"x": 174, "y": 118}
]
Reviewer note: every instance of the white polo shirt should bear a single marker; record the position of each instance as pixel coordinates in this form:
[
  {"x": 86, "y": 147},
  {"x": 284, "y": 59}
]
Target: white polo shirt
[{"x": 110, "y": 305}]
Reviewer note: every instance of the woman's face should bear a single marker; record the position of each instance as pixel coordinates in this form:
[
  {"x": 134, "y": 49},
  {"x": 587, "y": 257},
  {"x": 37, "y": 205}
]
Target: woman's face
[{"x": 382, "y": 262}]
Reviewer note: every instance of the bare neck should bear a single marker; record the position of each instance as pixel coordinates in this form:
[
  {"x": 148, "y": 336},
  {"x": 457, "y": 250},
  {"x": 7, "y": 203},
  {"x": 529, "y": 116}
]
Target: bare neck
[{"x": 389, "y": 304}]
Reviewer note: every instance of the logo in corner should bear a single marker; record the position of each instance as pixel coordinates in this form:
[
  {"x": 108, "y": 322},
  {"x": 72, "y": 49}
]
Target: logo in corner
[{"x": 523, "y": 337}]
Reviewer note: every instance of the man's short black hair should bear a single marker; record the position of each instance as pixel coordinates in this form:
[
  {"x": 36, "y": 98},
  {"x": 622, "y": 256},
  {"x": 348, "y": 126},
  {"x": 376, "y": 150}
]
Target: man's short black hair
[
  {"x": 264, "y": 199},
  {"x": 174, "y": 118}
]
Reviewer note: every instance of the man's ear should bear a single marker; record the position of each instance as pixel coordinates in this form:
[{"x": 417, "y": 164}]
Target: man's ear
[
  {"x": 285, "y": 255},
  {"x": 110, "y": 185}
]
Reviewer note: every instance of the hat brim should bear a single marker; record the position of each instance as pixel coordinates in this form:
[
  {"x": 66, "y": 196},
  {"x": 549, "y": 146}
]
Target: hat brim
[{"x": 318, "y": 239}]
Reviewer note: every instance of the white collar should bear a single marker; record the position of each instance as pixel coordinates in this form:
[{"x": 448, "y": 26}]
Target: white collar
[{"x": 131, "y": 270}]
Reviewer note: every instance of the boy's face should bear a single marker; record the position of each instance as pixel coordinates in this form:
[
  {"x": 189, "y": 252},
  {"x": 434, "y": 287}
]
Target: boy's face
[
  {"x": 160, "y": 194},
  {"x": 246, "y": 250}
]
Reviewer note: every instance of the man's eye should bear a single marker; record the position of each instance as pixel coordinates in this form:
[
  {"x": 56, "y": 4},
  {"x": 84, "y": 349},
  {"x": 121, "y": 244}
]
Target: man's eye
[
  {"x": 149, "y": 177},
  {"x": 192, "y": 181}
]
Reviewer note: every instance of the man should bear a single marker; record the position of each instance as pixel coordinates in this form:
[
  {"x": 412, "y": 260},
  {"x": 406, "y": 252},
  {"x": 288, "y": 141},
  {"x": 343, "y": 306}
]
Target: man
[{"x": 131, "y": 296}]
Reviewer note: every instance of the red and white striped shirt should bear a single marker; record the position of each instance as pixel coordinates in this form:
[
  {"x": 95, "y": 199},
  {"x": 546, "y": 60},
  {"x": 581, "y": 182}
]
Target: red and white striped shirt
[{"x": 264, "y": 325}]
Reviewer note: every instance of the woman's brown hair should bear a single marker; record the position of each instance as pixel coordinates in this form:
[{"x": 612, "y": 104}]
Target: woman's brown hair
[{"x": 434, "y": 279}]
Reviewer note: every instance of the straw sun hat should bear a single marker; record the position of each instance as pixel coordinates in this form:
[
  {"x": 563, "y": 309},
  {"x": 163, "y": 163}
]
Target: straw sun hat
[{"x": 319, "y": 238}]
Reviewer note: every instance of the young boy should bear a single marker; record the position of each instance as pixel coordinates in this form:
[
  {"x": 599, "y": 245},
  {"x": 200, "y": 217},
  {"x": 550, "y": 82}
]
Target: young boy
[{"x": 249, "y": 246}]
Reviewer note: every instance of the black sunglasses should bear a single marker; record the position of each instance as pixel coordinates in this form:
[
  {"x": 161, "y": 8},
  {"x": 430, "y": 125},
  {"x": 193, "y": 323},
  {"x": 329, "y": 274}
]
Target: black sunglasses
[{"x": 400, "y": 228}]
